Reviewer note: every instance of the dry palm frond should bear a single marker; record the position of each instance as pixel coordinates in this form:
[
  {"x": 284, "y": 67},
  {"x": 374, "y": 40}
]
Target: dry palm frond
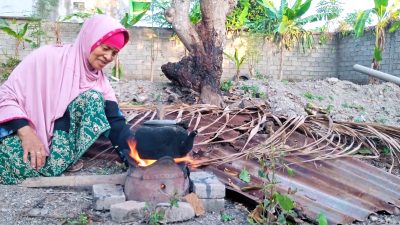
[{"x": 244, "y": 129}]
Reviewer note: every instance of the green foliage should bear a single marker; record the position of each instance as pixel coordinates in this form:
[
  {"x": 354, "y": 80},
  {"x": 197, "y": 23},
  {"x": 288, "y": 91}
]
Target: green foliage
[
  {"x": 321, "y": 219},
  {"x": 226, "y": 218},
  {"x": 195, "y": 13},
  {"x": 244, "y": 175},
  {"x": 174, "y": 202},
  {"x": 226, "y": 85},
  {"x": 384, "y": 14},
  {"x": 364, "y": 151},
  {"x": 275, "y": 206},
  {"x": 137, "y": 9},
  {"x": 238, "y": 17},
  {"x": 156, "y": 217},
  {"x": 253, "y": 90},
  {"x": 18, "y": 34},
  {"x": 311, "y": 96},
  {"x": 237, "y": 60},
  {"x": 82, "y": 16},
  {"x": 329, "y": 108},
  {"x": 83, "y": 219},
  {"x": 386, "y": 151},
  {"x": 8, "y": 67},
  {"x": 353, "y": 106}
]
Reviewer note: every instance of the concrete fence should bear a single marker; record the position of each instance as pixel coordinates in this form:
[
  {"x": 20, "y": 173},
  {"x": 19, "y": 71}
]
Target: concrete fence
[{"x": 149, "y": 48}]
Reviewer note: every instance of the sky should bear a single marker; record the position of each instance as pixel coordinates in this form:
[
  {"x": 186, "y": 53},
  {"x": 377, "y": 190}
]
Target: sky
[{"x": 24, "y": 7}]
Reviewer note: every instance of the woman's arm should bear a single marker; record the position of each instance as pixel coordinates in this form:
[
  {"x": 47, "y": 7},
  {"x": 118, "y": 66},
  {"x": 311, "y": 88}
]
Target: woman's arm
[{"x": 120, "y": 132}]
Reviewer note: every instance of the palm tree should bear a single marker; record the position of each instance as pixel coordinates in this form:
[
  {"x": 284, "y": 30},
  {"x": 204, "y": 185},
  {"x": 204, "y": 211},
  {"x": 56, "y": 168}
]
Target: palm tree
[{"x": 384, "y": 16}]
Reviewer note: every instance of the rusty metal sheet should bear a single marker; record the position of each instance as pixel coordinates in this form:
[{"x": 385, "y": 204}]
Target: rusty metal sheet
[{"x": 343, "y": 189}]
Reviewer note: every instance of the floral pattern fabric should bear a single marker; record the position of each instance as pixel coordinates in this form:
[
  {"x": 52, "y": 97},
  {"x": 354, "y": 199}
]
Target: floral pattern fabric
[{"x": 88, "y": 122}]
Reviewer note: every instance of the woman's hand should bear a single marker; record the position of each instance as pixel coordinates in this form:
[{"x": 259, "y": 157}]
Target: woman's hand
[{"x": 32, "y": 146}]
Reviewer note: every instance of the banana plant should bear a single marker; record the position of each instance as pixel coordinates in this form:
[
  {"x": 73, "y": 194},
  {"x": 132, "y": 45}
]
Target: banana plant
[
  {"x": 384, "y": 14},
  {"x": 18, "y": 34},
  {"x": 137, "y": 9},
  {"x": 238, "y": 60}
]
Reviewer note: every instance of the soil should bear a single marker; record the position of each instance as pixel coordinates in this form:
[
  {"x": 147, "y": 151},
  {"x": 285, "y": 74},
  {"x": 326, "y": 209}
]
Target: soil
[{"x": 344, "y": 100}]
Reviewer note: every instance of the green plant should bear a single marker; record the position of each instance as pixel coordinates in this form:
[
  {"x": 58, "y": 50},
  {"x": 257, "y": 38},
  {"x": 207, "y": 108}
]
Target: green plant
[
  {"x": 384, "y": 14},
  {"x": 19, "y": 34},
  {"x": 226, "y": 85},
  {"x": 244, "y": 175},
  {"x": 275, "y": 206},
  {"x": 174, "y": 202},
  {"x": 285, "y": 24},
  {"x": 156, "y": 217},
  {"x": 382, "y": 120},
  {"x": 329, "y": 108},
  {"x": 321, "y": 219},
  {"x": 386, "y": 151},
  {"x": 82, "y": 219},
  {"x": 226, "y": 218},
  {"x": 353, "y": 106},
  {"x": 8, "y": 66},
  {"x": 311, "y": 96},
  {"x": 253, "y": 90},
  {"x": 237, "y": 60}
]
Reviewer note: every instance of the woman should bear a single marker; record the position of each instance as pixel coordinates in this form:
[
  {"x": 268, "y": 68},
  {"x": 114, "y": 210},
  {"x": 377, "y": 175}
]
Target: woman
[{"x": 57, "y": 102}]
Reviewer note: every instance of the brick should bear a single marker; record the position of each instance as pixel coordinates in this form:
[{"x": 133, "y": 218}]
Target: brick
[
  {"x": 213, "y": 204},
  {"x": 128, "y": 211},
  {"x": 207, "y": 185},
  {"x": 183, "y": 212},
  {"x": 105, "y": 195}
]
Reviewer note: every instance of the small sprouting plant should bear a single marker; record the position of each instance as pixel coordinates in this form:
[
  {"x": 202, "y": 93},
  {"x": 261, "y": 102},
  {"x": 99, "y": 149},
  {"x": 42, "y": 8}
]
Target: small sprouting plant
[
  {"x": 253, "y": 90},
  {"x": 244, "y": 175},
  {"x": 329, "y": 108},
  {"x": 226, "y": 85},
  {"x": 83, "y": 219},
  {"x": 311, "y": 96},
  {"x": 386, "y": 151},
  {"x": 238, "y": 60},
  {"x": 260, "y": 76},
  {"x": 275, "y": 206},
  {"x": 174, "y": 202},
  {"x": 353, "y": 106},
  {"x": 156, "y": 217},
  {"x": 285, "y": 82},
  {"x": 381, "y": 120},
  {"x": 321, "y": 219},
  {"x": 226, "y": 218},
  {"x": 8, "y": 67}
]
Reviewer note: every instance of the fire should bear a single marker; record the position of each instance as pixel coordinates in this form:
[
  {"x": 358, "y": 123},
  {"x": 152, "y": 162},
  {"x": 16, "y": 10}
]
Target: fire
[{"x": 147, "y": 162}]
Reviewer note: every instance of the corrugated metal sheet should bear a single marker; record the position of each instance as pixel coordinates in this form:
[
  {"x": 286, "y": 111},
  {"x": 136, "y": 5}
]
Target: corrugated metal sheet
[{"x": 344, "y": 189}]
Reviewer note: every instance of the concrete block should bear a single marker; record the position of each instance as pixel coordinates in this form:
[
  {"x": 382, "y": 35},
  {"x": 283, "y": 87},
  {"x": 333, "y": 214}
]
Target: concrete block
[
  {"x": 128, "y": 211},
  {"x": 105, "y": 195},
  {"x": 213, "y": 204},
  {"x": 207, "y": 185},
  {"x": 183, "y": 212}
]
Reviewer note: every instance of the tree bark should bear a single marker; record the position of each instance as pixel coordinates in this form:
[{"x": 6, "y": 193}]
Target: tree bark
[{"x": 201, "y": 70}]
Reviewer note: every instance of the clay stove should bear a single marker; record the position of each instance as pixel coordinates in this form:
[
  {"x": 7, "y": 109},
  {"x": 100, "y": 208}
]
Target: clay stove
[{"x": 158, "y": 162}]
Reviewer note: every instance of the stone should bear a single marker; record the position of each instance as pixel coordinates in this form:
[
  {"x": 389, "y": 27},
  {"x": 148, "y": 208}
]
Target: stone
[
  {"x": 105, "y": 195},
  {"x": 332, "y": 80},
  {"x": 182, "y": 212},
  {"x": 207, "y": 185},
  {"x": 128, "y": 211},
  {"x": 213, "y": 204}
]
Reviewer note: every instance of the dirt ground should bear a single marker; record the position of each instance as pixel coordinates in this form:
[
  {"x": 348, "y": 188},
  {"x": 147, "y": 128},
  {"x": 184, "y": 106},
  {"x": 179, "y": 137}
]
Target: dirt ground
[{"x": 344, "y": 100}]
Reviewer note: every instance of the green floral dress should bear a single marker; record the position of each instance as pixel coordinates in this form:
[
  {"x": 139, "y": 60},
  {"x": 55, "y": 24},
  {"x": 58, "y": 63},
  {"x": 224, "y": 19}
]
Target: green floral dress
[{"x": 87, "y": 122}]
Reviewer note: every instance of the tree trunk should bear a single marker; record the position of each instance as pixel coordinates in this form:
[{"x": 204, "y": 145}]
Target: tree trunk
[
  {"x": 281, "y": 62},
  {"x": 201, "y": 70}
]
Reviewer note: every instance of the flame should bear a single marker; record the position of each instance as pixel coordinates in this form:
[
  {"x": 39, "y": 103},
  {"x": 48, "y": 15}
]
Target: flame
[{"x": 147, "y": 162}]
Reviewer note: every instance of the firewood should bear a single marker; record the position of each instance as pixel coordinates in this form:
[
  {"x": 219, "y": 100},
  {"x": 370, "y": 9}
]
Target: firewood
[{"x": 74, "y": 181}]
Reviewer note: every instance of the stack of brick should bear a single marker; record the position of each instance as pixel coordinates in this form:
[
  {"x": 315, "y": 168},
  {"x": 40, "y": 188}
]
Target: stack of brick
[{"x": 209, "y": 190}]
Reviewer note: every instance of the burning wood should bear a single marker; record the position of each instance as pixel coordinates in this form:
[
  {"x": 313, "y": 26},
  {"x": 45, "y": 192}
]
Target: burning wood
[{"x": 147, "y": 162}]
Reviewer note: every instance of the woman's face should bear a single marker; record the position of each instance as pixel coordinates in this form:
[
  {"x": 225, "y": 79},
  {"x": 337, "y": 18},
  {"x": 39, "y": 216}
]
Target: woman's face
[{"x": 101, "y": 56}]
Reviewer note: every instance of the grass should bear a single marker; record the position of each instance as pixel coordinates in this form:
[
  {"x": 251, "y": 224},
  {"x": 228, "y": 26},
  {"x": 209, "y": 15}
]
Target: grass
[
  {"x": 310, "y": 96},
  {"x": 82, "y": 219},
  {"x": 353, "y": 106}
]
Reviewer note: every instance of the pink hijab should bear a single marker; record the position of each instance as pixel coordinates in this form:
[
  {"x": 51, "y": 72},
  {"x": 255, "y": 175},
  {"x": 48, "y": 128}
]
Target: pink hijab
[{"x": 47, "y": 80}]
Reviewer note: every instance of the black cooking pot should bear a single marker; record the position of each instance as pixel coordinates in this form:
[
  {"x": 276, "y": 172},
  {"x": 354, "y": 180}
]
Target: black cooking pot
[{"x": 159, "y": 138}]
